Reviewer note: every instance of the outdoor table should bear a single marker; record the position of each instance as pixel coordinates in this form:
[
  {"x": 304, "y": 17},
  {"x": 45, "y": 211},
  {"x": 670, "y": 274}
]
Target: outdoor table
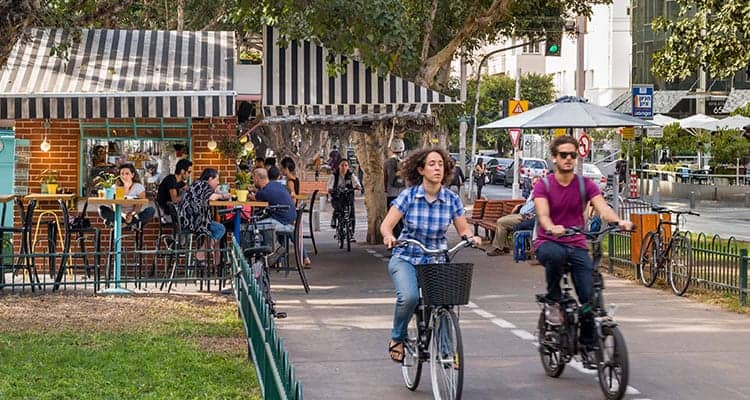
[
  {"x": 118, "y": 203},
  {"x": 233, "y": 203}
]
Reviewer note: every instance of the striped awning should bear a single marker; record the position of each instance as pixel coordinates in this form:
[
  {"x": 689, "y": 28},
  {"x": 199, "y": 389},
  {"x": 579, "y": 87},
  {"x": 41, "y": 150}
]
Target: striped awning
[
  {"x": 297, "y": 87},
  {"x": 119, "y": 74}
]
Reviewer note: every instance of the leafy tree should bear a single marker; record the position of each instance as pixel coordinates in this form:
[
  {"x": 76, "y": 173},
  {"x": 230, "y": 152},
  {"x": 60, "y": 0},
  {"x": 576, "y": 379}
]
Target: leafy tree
[
  {"x": 727, "y": 146},
  {"x": 712, "y": 34}
]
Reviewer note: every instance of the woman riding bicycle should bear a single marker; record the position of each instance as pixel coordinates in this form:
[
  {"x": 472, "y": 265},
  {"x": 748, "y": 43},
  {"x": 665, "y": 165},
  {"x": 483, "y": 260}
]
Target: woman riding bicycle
[{"x": 427, "y": 209}]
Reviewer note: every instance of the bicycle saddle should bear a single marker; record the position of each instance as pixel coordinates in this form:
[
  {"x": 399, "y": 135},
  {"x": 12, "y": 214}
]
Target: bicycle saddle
[
  {"x": 259, "y": 250},
  {"x": 659, "y": 209}
]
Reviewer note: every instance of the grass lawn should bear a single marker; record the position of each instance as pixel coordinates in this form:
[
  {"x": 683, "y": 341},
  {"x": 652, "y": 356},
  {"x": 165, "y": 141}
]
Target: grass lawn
[{"x": 76, "y": 347}]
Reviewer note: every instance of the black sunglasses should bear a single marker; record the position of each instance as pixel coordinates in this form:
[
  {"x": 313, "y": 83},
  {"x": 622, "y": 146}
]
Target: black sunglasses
[{"x": 566, "y": 154}]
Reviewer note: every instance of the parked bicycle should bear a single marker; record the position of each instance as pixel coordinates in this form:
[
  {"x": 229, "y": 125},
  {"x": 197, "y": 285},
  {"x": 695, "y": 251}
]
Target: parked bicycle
[
  {"x": 344, "y": 198},
  {"x": 433, "y": 334},
  {"x": 558, "y": 343},
  {"x": 671, "y": 254},
  {"x": 258, "y": 243}
]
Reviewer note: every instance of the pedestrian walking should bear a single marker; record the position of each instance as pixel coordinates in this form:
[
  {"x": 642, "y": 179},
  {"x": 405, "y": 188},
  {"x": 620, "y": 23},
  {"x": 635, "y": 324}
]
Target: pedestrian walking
[
  {"x": 479, "y": 171},
  {"x": 458, "y": 180}
]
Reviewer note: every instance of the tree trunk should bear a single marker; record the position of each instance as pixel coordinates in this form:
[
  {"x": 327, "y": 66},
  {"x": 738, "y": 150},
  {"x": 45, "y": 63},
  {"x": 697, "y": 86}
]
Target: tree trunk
[
  {"x": 370, "y": 148},
  {"x": 180, "y": 15}
]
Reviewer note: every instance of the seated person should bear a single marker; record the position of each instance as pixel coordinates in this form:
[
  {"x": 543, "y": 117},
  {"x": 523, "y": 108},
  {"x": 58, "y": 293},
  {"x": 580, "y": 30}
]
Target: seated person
[
  {"x": 274, "y": 193},
  {"x": 342, "y": 178},
  {"x": 133, "y": 216},
  {"x": 172, "y": 185},
  {"x": 194, "y": 209},
  {"x": 506, "y": 224}
]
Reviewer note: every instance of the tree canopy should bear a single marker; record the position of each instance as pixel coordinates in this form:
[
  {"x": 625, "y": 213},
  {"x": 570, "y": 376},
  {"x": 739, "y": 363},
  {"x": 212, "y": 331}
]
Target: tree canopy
[{"x": 712, "y": 34}]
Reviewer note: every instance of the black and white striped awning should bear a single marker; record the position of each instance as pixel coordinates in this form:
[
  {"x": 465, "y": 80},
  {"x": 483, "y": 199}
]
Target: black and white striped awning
[
  {"x": 119, "y": 74},
  {"x": 298, "y": 88}
]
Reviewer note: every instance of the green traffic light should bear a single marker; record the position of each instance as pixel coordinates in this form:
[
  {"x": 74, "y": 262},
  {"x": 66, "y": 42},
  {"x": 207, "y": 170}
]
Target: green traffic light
[{"x": 553, "y": 48}]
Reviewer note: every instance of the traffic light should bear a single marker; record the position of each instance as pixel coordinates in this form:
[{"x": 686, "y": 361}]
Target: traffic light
[{"x": 552, "y": 44}]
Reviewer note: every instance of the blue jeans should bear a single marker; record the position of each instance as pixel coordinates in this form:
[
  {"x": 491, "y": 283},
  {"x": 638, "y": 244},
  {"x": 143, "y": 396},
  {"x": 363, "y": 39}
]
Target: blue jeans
[
  {"x": 556, "y": 257},
  {"x": 404, "y": 278},
  {"x": 279, "y": 227},
  {"x": 217, "y": 230}
]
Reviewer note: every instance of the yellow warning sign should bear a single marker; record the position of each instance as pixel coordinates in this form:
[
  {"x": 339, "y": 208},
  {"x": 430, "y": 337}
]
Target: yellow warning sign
[
  {"x": 559, "y": 132},
  {"x": 628, "y": 133},
  {"x": 517, "y": 107}
]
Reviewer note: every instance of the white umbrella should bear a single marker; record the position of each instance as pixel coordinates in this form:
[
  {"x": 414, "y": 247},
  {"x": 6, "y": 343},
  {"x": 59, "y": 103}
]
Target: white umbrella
[
  {"x": 696, "y": 121},
  {"x": 736, "y": 122},
  {"x": 568, "y": 112},
  {"x": 663, "y": 120}
]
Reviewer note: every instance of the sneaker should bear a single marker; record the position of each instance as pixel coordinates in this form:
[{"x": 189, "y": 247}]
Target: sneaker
[{"x": 552, "y": 314}]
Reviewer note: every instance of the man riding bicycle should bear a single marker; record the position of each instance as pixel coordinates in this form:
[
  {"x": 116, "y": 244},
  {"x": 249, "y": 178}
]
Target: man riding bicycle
[
  {"x": 427, "y": 208},
  {"x": 342, "y": 179},
  {"x": 560, "y": 200}
]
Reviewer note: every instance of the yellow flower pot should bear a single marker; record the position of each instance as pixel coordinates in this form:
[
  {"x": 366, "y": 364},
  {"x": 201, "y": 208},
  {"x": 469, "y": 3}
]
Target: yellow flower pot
[
  {"x": 242, "y": 194},
  {"x": 52, "y": 188}
]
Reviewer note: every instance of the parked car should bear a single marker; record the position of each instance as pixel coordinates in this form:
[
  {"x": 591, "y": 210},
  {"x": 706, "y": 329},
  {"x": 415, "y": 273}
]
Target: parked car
[
  {"x": 529, "y": 167},
  {"x": 593, "y": 172},
  {"x": 500, "y": 168}
]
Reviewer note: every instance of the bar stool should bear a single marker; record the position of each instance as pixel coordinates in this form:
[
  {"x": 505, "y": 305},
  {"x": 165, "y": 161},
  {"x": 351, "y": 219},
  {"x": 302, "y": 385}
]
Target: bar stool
[
  {"x": 104, "y": 212},
  {"x": 311, "y": 236},
  {"x": 181, "y": 246},
  {"x": 80, "y": 231},
  {"x": 24, "y": 260}
]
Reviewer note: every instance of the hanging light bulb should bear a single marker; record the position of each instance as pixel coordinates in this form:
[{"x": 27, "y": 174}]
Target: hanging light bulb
[
  {"x": 249, "y": 146},
  {"x": 243, "y": 139},
  {"x": 45, "y": 146},
  {"x": 211, "y": 144}
]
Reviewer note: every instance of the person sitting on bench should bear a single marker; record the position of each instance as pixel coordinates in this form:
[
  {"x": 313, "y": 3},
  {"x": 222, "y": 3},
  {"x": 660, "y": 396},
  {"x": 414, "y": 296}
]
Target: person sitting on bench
[{"x": 506, "y": 224}]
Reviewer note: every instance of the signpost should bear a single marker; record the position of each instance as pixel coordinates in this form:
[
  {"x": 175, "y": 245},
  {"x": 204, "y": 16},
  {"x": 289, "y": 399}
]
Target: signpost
[
  {"x": 584, "y": 145},
  {"x": 516, "y": 107},
  {"x": 628, "y": 133},
  {"x": 643, "y": 101},
  {"x": 515, "y": 135}
]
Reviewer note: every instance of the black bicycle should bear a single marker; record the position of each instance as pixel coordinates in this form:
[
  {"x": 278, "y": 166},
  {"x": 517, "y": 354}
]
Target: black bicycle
[
  {"x": 433, "y": 334},
  {"x": 344, "y": 200},
  {"x": 258, "y": 243},
  {"x": 674, "y": 255},
  {"x": 558, "y": 342}
]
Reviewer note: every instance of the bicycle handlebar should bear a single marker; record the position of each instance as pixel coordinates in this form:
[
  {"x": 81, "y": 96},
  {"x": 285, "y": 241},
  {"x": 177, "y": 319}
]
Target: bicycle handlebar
[
  {"x": 661, "y": 209},
  {"x": 466, "y": 242},
  {"x": 576, "y": 230}
]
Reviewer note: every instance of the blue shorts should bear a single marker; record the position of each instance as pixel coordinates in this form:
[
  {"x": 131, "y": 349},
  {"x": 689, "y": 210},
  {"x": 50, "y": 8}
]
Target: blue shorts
[{"x": 217, "y": 230}]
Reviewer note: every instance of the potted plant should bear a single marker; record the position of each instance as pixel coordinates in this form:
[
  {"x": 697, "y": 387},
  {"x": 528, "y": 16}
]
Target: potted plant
[
  {"x": 106, "y": 182},
  {"x": 251, "y": 56},
  {"x": 230, "y": 147},
  {"x": 48, "y": 179},
  {"x": 243, "y": 179}
]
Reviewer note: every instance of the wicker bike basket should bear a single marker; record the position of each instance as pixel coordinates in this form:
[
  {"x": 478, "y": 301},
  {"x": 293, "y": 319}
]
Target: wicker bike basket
[{"x": 445, "y": 284}]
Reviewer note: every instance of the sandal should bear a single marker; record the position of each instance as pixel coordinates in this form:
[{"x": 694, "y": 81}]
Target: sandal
[{"x": 393, "y": 350}]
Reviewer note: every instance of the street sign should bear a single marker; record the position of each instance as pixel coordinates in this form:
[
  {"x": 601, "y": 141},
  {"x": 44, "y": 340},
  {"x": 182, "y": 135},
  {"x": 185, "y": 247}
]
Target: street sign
[
  {"x": 628, "y": 133},
  {"x": 517, "y": 107},
  {"x": 560, "y": 132},
  {"x": 655, "y": 132},
  {"x": 584, "y": 145},
  {"x": 643, "y": 101},
  {"x": 515, "y": 134}
]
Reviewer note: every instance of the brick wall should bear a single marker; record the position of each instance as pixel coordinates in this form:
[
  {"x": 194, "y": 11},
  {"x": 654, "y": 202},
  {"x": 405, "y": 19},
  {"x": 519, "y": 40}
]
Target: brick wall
[{"x": 65, "y": 153}]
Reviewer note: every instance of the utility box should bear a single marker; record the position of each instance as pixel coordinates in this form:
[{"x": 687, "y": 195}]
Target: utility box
[{"x": 645, "y": 223}]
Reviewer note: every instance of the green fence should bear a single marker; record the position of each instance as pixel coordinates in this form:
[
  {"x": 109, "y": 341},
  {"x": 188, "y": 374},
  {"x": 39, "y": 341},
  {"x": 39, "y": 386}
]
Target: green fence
[
  {"x": 718, "y": 265},
  {"x": 275, "y": 372}
]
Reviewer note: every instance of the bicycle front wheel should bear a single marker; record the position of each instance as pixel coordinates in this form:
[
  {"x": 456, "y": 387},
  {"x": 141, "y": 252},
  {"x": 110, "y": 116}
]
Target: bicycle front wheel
[
  {"x": 446, "y": 356},
  {"x": 349, "y": 234},
  {"x": 647, "y": 266},
  {"x": 411, "y": 368},
  {"x": 680, "y": 264},
  {"x": 613, "y": 369}
]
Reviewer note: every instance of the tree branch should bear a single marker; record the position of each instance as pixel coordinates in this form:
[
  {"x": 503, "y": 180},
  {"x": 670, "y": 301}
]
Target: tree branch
[{"x": 428, "y": 32}]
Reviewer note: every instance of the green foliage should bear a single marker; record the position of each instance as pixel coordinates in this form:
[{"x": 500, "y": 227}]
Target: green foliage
[
  {"x": 744, "y": 110},
  {"x": 105, "y": 180},
  {"x": 727, "y": 146},
  {"x": 243, "y": 179},
  {"x": 537, "y": 89},
  {"x": 712, "y": 34},
  {"x": 48, "y": 176}
]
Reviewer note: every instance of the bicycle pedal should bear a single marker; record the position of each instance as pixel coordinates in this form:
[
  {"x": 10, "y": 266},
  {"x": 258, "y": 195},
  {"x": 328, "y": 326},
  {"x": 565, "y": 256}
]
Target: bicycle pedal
[{"x": 279, "y": 315}]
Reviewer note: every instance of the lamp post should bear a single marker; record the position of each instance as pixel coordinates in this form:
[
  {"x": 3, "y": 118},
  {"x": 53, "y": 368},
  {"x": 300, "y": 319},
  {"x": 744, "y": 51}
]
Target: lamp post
[{"x": 476, "y": 107}]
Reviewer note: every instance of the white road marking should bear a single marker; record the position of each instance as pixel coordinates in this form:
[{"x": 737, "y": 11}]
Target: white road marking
[
  {"x": 502, "y": 323},
  {"x": 482, "y": 313},
  {"x": 523, "y": 334}
]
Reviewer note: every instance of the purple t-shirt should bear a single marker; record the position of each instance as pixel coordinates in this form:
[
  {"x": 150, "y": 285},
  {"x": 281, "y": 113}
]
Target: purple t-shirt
[{"x": 565, "y": 208}]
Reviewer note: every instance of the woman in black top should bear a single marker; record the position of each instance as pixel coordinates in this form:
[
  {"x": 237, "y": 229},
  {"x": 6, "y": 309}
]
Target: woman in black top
[{"x": 292, "y": 182}]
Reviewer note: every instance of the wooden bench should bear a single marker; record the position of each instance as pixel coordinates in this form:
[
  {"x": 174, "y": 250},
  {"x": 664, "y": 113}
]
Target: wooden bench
[
  {"x": 307, "y": 187},
  {"x": 476, "y": 214},
  {"x": 494, "y": 210}
]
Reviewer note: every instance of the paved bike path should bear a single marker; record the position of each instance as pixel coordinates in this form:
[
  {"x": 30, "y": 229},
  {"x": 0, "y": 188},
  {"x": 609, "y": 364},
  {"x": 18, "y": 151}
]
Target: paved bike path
[{"x": 336, "y": 335}]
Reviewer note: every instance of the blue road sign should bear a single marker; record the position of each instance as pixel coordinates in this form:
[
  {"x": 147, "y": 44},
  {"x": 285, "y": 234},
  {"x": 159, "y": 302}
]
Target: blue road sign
[{"x": 643, "y": 101}]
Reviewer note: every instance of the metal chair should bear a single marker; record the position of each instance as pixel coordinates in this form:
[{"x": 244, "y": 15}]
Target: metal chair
[
  {"x": 296, "y": 237},
  {"x": 80, "y": 232},
  {"x": 181, "y": 246},
  {"x": 24, "y": 260},
  {"x": 311, "y": 236}
]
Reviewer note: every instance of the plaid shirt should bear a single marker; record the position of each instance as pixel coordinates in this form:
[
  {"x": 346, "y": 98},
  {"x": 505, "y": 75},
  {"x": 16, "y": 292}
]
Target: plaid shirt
[{"x": 426, "y": 222}]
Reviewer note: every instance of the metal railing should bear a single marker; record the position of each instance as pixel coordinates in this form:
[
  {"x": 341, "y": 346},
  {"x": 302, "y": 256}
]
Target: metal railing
[{"x": 265, "y": 347}]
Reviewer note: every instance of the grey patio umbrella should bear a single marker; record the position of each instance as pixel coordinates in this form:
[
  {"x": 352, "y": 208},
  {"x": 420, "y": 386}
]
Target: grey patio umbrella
[
  {"x": 568, "y": 112},
  {"x": 737, "y": 122}
]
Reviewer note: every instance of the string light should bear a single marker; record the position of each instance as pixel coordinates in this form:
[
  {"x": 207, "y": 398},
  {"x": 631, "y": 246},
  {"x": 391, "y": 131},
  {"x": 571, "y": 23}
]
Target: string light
[
  {"x": 249, "y": 146},
  {"x": 45, "y": 146},
  {"x": 211, "y": 144}
]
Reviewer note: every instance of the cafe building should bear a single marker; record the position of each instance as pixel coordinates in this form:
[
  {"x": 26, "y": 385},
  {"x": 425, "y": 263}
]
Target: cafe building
[{"x": 148, "y": 98}]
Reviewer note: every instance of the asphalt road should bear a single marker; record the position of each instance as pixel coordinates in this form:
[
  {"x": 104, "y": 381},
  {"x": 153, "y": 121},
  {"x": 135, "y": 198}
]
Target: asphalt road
[{"x": 337, "y": 334}]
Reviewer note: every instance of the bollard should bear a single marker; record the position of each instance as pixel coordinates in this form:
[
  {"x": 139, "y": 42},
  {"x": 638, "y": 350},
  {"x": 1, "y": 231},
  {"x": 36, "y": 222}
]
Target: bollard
[
  {"x": 316, "y": 220},
  {"x": 654, "y": 190},
  {"x": 692, "y": 200},
  {"x": 743, "y": 277},
  {"x": 747, "y": 199}
]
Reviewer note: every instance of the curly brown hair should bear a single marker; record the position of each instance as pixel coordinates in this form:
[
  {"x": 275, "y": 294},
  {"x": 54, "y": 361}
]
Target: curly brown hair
[{"x": 409, "y": 168}]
